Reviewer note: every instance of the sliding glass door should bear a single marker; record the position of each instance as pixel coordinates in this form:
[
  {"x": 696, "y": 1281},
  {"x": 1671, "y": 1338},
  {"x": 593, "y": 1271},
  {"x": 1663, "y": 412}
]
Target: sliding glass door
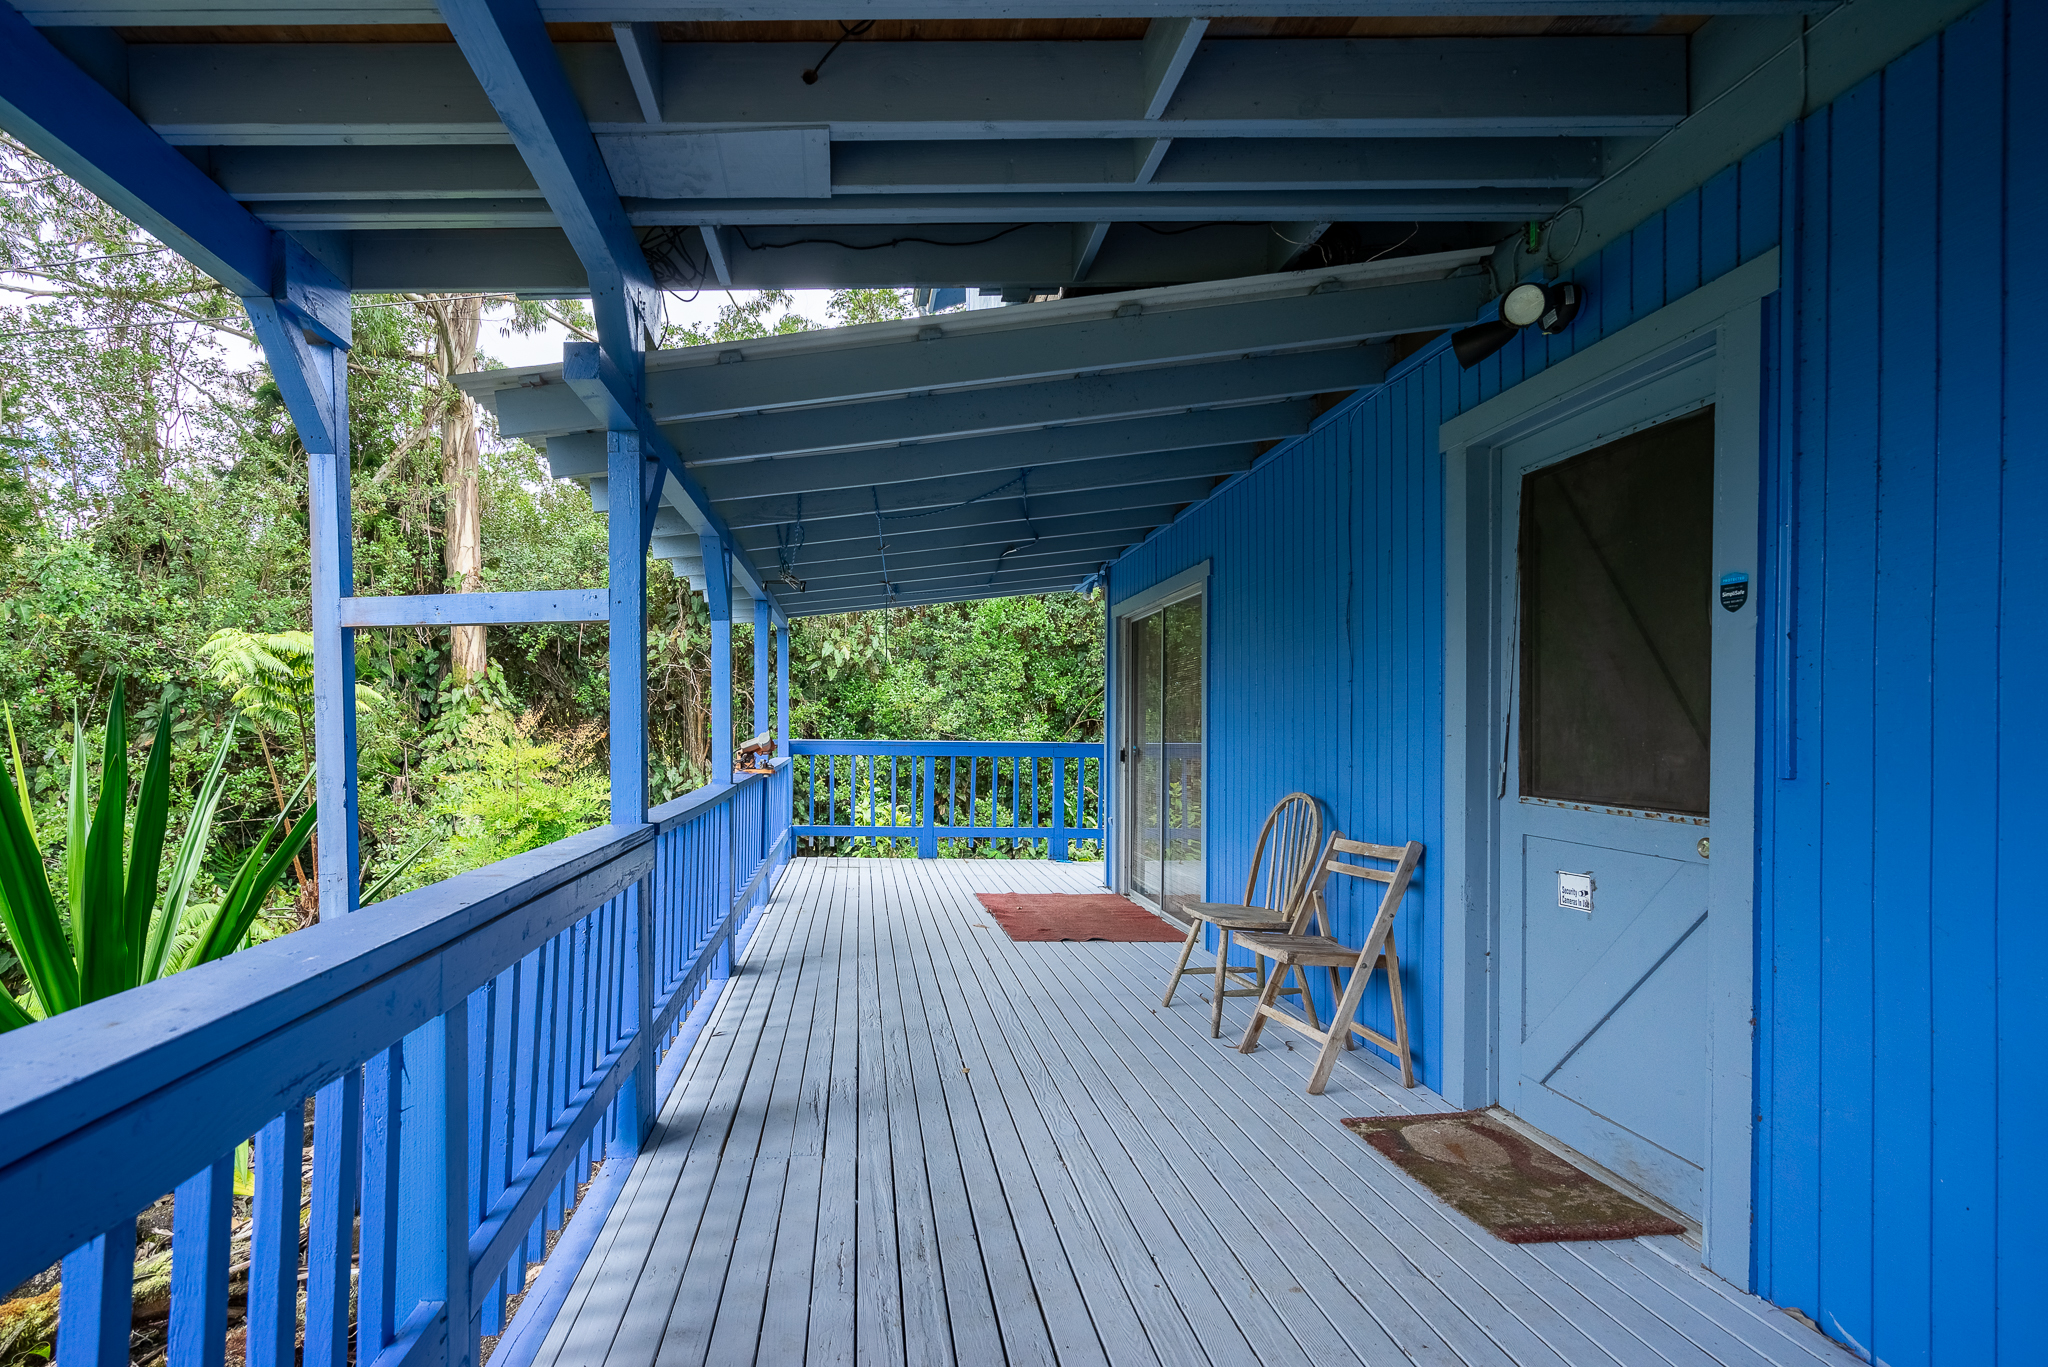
[{"x": 1162, "y": 754}]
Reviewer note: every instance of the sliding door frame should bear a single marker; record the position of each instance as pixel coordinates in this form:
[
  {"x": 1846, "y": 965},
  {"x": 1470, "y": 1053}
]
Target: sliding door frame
[{"x": 1190, "y": 583}]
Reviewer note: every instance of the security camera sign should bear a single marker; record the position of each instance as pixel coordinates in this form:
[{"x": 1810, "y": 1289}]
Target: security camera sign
[{"x": 1575, "y": 891}]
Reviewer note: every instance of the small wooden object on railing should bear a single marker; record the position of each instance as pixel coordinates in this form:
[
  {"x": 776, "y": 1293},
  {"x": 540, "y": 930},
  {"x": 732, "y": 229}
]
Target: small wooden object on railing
[{"x": 757, "y": 756}]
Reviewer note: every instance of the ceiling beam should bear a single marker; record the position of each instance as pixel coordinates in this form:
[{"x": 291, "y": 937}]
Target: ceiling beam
[
  {"x": 1082, "y": 165},
  {"x": 953, "y": 589},
  {"x": 900, "y": 502},
  {"x": 1015, "y": 553},
  {"x": 309, "y": 93},
  {"x": 884, "y": 216},
  {"x": 1009, "y": 408},
  {"x": 1090, "y": 334},
  {"x": 838, "y": 538},
  {"x": 640, "y": 49},
  {"x": 581, "y": 455},
  {"x": 257, "y": 175},
  {"x": 267, "y": 12},
  {"x": 1115, "y": 527}
]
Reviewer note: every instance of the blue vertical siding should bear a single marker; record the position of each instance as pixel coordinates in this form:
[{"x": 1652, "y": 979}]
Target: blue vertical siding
[
  {"x": 1326, "y": 584},
  {"x": 1902, "y": 931}
]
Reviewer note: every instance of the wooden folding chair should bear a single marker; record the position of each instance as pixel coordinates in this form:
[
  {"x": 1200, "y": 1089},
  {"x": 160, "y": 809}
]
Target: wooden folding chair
[
  {"x": 1304, "y": 946},
  {"x": 1282, "y": 863}
]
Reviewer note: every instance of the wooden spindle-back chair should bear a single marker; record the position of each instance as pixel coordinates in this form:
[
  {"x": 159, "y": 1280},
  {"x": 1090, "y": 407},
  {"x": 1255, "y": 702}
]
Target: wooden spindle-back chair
[{"x": 1282, "y": 864}]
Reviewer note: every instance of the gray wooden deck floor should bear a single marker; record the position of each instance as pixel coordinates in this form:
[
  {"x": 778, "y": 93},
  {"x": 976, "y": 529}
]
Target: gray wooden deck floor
[{"x": 905, "y": 1139}]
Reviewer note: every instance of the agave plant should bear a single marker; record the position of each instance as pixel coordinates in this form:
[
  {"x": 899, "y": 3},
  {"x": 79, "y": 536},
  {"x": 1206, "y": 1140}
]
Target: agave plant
[{"x": 109, "y": 930}]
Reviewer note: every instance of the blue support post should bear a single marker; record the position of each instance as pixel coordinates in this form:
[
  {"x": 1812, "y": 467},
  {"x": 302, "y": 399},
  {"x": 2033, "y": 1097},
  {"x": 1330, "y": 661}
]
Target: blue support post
[
  {"x": 626, "y": 535},
  {"x": 763, "y": 625},
  {"x": 718, "y": 597},
  {"x": 782, "y": 691},
  {"x": 626, "y": 541},
  {"x": 313, "y": 377}
]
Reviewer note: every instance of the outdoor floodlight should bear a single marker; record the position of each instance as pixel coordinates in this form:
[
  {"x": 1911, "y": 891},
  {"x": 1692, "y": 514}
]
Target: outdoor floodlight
[{"x": 1550, "y": 307}]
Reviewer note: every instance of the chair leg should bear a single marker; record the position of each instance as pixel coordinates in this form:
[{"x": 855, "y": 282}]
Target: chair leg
[
  {"x": 1337, "y": 994},
  {"x": 1340, "y": 1029},
  {"x": 1308, "y": 1003},
  {"x": 1258, "y": 1023},
  {"x": 1216, "y": 997},
  {"x": 1187, "y": 947},
  {"x": 1400, "y": 1013}
]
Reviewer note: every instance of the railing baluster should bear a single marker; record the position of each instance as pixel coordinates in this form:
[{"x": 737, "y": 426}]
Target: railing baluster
[
  {"x": 96, "y": 1307},
  {"x": 455, "y": 1212},
  {"x": 377, "y": 1262},
  {"x": 1058, "y": 844},
  {"x": 280, "y": 1161},
  {"x": 200, "y": 1217},
  {"x": 337, "y": 1148}
]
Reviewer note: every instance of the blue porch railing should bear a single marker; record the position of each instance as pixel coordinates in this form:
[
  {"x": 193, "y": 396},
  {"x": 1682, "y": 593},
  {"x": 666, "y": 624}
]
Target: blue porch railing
[
  {"x": 472, "y": 1052},
  {"x": 925, "y": 797}
]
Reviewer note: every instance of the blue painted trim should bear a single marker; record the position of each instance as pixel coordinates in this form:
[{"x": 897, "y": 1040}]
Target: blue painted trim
[{"x": 464, "y": 609}]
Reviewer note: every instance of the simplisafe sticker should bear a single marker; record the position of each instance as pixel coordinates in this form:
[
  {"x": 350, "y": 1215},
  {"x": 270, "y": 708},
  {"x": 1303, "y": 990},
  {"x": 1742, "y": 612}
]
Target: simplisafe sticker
[
  {"x": 1575, "y": 891},
  {"x": 1734, "y": 591}
]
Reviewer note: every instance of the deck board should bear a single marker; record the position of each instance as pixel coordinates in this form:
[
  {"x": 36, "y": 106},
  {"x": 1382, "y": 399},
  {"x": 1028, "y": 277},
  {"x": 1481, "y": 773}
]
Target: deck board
[{"x": 903, "y": 1138}]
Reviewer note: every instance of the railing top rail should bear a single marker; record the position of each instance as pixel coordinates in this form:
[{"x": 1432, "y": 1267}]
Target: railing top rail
[
  {"x": 1003, "y": 749},
  {"x": 674, "y": 813},
  {"x": 114, "y": 1087}
]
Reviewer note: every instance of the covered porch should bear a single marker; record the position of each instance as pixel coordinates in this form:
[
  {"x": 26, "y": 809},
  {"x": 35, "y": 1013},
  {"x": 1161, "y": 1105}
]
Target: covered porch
[{"x": 902, "y": 1137}]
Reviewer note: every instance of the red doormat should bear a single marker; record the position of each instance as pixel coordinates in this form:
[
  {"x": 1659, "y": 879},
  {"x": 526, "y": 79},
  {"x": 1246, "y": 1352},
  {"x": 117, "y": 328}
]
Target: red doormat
[
  {"x": 1521, "y": 1192},
  {"x": 1076, "y": 916}
]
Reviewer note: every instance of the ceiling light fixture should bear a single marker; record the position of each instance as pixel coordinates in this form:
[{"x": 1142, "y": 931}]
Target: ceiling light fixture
[{"x": 1550, "y": 307}]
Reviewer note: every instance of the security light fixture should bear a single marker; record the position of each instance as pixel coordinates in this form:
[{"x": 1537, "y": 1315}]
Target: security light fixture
[{"x": 1550, "y": 307}]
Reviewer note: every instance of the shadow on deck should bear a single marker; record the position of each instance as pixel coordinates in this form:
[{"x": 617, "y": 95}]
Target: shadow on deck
[{"x": 903, "y": 1138}]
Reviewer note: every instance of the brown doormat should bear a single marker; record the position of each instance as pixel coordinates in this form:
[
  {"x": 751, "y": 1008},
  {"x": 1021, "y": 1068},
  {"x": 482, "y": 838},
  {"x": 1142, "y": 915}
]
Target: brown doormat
[
  {"x": 1076, "y": 916},
  {"x": 1521, "y": 1192}
]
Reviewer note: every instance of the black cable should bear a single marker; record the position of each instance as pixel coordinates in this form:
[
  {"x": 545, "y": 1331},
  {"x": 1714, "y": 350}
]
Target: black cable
[
  {"x": 846, "y": 31},
  {"x": 1191, "y": 228},
  {"x": 872, "y": 246}
]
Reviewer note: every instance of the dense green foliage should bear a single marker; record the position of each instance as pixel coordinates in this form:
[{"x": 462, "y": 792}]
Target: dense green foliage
[{"x": 153, "y": 495}]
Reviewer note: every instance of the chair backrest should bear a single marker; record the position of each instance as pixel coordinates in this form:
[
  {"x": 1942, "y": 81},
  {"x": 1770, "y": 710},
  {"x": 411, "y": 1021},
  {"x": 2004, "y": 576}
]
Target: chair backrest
[
  {"x": 1285, "y": 857},
  {"x": 1313, "y": 907}
]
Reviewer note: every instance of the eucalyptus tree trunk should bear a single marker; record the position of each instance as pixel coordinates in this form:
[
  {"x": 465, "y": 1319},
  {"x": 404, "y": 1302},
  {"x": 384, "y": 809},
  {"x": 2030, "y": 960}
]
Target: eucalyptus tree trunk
[{"x": 460, "y": 319}]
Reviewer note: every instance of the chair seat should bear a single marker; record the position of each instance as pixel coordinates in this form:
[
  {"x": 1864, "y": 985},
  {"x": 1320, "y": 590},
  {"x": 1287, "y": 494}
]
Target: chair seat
[
  {"x": 1232, "y": 917},
  {"x": 1310, "y": 951}
]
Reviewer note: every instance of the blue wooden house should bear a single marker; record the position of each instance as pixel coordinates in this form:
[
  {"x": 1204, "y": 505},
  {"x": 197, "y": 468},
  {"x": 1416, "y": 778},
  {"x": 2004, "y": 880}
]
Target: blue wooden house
[{"x": 1599, "y": 441}]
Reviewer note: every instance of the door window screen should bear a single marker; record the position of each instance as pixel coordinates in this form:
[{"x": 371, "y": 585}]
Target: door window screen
[{"x": 1616, "y": 581}]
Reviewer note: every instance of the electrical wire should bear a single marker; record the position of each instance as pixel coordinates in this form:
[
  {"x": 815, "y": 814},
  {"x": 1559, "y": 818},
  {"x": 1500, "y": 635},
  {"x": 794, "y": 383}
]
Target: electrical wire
[
  {"x": 1025, "y": 480},
  {"x": 846, "y": 31},
  {"x": 753, "y": 246},
  {"x": 1398, "y": 245},
  {"x": 1190, "y": 228}
]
